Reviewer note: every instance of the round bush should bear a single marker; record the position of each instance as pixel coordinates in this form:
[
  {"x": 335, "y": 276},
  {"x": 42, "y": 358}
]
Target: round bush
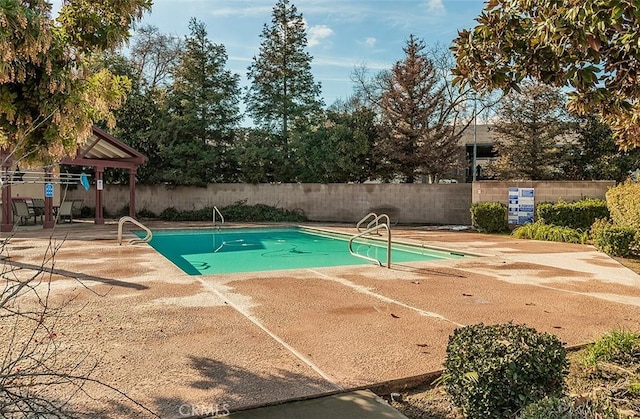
[
  {"x": 489, "y": 217},
  {"x": 494, "y": 371}
]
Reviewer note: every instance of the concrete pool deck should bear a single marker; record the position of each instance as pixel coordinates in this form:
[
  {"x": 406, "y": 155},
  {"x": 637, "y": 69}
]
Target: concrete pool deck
[{"x": 187, "y": 345}]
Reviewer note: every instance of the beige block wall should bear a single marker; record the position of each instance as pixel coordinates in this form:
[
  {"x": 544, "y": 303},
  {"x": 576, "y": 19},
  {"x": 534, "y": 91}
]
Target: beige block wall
[
  {"x": 545, "y": 191},
  {"x": 405, "y": 203}
]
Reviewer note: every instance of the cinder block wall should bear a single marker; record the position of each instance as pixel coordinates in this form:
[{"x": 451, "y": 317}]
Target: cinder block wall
[
  {"x": 404, "y": 203},
  {"x": 545, "y": 191}
]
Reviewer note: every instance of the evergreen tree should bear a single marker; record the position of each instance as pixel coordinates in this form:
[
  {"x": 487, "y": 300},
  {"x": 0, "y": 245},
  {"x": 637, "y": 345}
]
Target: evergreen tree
[
  {"x": 418, "y": 137},
  {"x": 342, "y": 148},
  {"x": 203, "y": 107},
  {"x": 283, "y": 97},
  {"x": 532, "y": 134},
  {"x": 595, "y": 155}
]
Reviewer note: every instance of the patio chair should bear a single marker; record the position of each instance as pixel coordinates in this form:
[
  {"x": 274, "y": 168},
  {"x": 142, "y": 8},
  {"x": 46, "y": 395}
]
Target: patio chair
[
  {"x": 65, "y": 211},
  {"x": 76, "y": 207},
  {"x": 20, "y": 209},
  {"x": 37, "y": 205}
]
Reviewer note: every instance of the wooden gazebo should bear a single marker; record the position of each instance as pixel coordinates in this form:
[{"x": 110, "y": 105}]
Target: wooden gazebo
[{"x": 101, "y": 150}]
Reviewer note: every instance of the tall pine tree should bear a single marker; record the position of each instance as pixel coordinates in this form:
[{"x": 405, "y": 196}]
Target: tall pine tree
[
  {"x": 283, "y": 97},
  {"x": 419, "y": 137},
  {"x": 531, "y": 127},
  {"x": 203, "y": 104}
]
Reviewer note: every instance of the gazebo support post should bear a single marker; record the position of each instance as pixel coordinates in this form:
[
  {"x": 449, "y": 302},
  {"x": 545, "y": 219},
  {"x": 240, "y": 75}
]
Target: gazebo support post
[
  {"x": 7, "y": 209},
  {"x": 48, "y": 222},
  {"x": 132, "y": 192},
  {"x": 99, "y": 170}
]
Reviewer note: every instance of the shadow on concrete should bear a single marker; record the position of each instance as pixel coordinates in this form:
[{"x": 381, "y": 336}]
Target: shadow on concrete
[
  {"x": 241, "y": 389},
  {"x": 80, "y": 277}
]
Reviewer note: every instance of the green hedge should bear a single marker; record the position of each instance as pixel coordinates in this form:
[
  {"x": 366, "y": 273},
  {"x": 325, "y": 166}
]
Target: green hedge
[
  {"x": 494, "y": 371},
  {"x": 578, "y": 215},
  {"x": 612, "y": 239},
  {"x": 624, "y": 204},
  {"x": 489, "y": 217},
  {"x": 238, "y": 212}
]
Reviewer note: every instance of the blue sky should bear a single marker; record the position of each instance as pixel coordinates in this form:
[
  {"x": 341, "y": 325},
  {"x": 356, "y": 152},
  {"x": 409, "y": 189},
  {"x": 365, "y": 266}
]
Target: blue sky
[{"x": 342, "y": 34}]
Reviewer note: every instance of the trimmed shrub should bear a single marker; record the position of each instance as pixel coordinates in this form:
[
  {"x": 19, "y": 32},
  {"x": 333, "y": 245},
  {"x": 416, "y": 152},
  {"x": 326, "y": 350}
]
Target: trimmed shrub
[
  {"x": 541, "y": 231},
  {"x": 238, "y": 211},
  {"x": 624, "y": 204},
  {"x": 489, "y": 217},
  {"x": 145, "y": 213},
  {"x": 612, "y": 239},
  {"x": 578, "y": 215},
  {"x": 494, "y": 371},
  {"x": 170, "y": 214},
  {"x": 566, "y": 408}
]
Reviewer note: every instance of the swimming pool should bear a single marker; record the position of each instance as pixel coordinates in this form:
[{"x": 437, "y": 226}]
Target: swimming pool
[{"x": 211, "y": 251}]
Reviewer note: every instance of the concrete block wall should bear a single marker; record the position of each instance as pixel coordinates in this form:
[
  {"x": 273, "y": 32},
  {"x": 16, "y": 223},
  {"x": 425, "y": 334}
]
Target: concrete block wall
[
  {"x": 404, "y": 203},
  {"x": 545, "y": 191}
]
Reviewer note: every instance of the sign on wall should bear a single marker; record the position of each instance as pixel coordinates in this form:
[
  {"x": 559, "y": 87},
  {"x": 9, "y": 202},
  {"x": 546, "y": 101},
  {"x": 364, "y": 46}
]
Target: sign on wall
[{"x": 521, "y": 205}]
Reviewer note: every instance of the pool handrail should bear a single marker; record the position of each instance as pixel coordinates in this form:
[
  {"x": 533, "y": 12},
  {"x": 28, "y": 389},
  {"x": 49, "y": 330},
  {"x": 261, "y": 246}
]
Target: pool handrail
[
  {"x": 216, "y": 210},
  {"x": 132, "y": 220},
  {"x": 371, "y": 230},
  {"x": 365, "y": 218}
]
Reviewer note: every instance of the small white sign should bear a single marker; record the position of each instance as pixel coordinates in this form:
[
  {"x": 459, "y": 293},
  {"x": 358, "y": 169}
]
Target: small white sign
[{"x": 99, "y": 184}]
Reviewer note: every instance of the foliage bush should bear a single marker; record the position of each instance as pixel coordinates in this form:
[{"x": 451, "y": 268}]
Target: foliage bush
[
  {"x": 567, "y": 408},
  {"x": 238, "y": 211},
  {"x": 489, "y": 217},
  {"x": 145, "y": 213},
  {"x": 577, "y": 215},
  {"x": 542, "y": 231},
  {"x": 623, "y": 201},
  {"x": 614, "y": 240},
  {"x": 494, "y": 371},
  {"x": 619, "y": 346}
]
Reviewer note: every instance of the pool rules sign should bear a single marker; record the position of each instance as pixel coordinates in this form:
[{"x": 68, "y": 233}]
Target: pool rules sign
[{"x": 521, "y": 205}]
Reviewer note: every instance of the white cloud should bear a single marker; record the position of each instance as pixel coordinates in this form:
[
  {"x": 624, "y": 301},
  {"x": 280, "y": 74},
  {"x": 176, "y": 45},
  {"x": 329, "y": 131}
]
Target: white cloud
[
  {"x": 370, "y": 41},
  {"x": 319, "y": 33},
  {"x": 435, "y": 6}
]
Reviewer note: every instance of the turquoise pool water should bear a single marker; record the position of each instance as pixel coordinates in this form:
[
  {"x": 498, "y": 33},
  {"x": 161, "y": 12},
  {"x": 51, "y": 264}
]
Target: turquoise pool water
[{"x": 209, "y": 251}]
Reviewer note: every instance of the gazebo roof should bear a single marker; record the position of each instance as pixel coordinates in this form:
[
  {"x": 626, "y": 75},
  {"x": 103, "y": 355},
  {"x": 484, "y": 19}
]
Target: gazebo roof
[{"x": 104, "y": 150}]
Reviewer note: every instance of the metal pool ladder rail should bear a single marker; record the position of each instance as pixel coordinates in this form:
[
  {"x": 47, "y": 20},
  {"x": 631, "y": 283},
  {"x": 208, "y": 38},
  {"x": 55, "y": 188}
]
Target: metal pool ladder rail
[
  {"x": 132, "y": 220},
  {"x": 374, "y": 221},
  {"x": 374, "y": 229},
  {"x": 216, "y": 210}
]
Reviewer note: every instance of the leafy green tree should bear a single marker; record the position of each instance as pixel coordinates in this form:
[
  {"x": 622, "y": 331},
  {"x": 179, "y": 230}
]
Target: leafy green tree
[
  {"x": 50, "y": 95},
  {"x": 283, "y": 96},
  {"x": 342, "y": 148},
  {"x": 418, "y": 138},
  {"x": 532, "y": 132},
  {"x": 595, "y": 155},
  {"x": 590, "y": 47},
  {"x": 203, "y": 106}
]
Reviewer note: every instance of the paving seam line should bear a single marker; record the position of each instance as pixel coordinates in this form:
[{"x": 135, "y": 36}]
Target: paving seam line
[
  {"x": 275, "y": 337},
  {"x": 366, "y": 291}
]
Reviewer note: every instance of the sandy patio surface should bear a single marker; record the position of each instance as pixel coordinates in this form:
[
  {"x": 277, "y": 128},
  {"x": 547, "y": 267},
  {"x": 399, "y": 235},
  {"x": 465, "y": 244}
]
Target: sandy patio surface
[{"x": 185, "y": 345}]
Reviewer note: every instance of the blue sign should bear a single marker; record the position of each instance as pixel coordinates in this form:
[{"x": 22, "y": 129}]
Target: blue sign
[{"x": 48, "y": 190}]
